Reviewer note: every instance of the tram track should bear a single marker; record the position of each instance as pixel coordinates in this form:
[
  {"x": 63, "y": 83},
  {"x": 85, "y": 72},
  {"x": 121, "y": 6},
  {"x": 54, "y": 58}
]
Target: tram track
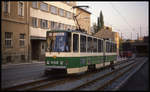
[
  {"x": 44, "y": 83},
  {"x": 102, "y": 78}
]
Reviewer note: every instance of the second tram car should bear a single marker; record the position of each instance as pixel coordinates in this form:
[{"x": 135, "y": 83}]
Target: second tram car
[
  {"x": 75, "y": 52},
  {"x": 126, "y": 50}
]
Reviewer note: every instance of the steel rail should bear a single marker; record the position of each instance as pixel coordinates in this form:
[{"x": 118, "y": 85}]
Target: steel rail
[
  {"x": 109, "y": 82},
  {"x": 101, "y": 77}
]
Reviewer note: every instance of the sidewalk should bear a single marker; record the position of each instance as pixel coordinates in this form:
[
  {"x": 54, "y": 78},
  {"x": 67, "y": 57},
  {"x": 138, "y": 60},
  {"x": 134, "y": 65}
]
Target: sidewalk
[{"x": 8, "y": 65}]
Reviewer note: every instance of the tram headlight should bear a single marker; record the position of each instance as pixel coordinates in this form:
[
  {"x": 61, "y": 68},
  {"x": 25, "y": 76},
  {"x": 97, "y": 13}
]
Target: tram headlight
[{"x": 48, "y": 62}]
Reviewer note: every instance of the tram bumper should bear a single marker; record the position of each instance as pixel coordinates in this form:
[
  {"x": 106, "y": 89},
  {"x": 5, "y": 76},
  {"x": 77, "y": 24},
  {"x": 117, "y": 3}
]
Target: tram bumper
[{"x": 55, "y": 70}]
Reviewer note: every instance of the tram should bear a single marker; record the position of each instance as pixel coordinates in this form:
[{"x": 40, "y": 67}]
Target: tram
[
  {"x": 127, "y": 50},
  {"x": 73, "y": 51}
]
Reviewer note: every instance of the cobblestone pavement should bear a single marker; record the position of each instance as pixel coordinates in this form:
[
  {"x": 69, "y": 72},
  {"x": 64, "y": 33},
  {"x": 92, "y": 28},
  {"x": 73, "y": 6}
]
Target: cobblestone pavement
[{"x": 139, "y": 81}]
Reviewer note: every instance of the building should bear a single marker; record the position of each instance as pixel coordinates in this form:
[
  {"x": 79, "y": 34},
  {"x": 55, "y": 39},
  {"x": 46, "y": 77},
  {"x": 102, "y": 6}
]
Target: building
[
  {"x": 107, "y": 33},
  {"x": 14, "y": 29},
  {"x": 24, "y": 27},
  {"x": 84, "y": 17},
  {"x": 45, "y": 16}
]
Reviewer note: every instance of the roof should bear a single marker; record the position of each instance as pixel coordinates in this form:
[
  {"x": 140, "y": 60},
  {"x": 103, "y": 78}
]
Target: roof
[{"x": 84, "y": 10}]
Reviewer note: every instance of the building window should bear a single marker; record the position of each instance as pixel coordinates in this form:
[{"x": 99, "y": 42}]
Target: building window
[
  {"x": 54, "y": 25},
  {"x": 22, "y": 40},
  {"x": 43, "y": 23},
  {"x": 8, "y": 39},
  {"x": 6, "y": 6},
  {"x": 53, "y": 10},
  {"x": 21, "y": 8},
  {"x": 44, "y": 6},
  {"x": 62, "y": 26},
  {"x": 61, "y": 12},
  {"x": 34, "y": 22},
  {"x": 8, "y": 59},
  {"x": 68, "y": 14},
  {"x": 67, "y": 2},
  {"x": 35, "y": 4}
]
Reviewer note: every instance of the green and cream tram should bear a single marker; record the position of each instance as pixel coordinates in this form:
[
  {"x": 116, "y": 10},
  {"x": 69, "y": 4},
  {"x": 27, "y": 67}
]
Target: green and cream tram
[{"x": 75, "y": 52}]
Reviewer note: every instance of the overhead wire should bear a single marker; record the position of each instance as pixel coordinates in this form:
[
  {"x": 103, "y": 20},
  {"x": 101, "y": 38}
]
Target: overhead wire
[{"x": 121, "y": 16}]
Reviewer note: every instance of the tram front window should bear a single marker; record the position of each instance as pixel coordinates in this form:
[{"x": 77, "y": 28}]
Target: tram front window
[{"x": 58, "y": 42}]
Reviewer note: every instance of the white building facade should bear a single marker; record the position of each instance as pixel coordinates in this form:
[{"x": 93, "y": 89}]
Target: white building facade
[{"x": 45, "y": 16}]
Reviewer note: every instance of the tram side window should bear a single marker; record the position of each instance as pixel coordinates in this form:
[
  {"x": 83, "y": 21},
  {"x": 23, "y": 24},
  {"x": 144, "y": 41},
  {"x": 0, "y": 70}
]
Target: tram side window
[
  {"x": 111, "y": 47},
  {"x": 83, "y": 43},
  {"x": 94, "y": 45},
  {"x": 99, "y": 46},
  {"x": 102, "y": 45},
  {"x": 75, "y": 42},
  {"x": 107, "y": 46},
  {"x": 115, "y": 47},
  {"x": 89, "y": 45}
]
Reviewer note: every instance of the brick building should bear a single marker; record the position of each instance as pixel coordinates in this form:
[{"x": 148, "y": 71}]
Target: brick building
[
  {"x": 84, "y": 19},
  {"x": 14, "y": 29}
]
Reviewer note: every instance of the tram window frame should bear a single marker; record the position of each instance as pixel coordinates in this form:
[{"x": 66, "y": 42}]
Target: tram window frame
[
  {"x": 89, "y": 44},
  {"x": 82, "y": 43},
  {"x": 99, "y": 45},
  {"x": 75, "y": 43},
  {"x": 94, "y": 45}
]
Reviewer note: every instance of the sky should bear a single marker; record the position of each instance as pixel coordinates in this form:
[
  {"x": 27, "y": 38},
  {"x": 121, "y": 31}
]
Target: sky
[{"x": 127, "y": 18}]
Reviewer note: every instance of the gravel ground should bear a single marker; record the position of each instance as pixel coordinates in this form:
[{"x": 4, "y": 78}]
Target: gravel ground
[{"x": 139, "y": 81}]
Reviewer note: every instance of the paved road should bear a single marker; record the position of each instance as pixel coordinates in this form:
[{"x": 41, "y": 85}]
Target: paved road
[
  {"x": 18, "y": 73},
  {"x": 139, "y": 81}
]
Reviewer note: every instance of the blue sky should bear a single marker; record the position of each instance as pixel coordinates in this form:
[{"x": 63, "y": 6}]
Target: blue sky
[{"x": 125, "y": 17}]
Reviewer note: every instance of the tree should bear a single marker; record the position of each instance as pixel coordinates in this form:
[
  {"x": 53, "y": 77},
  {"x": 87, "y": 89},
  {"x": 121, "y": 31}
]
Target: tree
[
  {"x": 101, "y": 20},
  {"x": 100, "y": 23}
]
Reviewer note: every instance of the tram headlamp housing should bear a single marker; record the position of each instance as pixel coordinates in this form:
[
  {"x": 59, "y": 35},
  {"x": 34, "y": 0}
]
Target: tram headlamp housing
[{"x": 48, "y": 62}]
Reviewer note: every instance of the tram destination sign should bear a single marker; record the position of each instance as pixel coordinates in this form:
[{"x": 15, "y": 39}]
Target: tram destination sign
[{"x": 56, "y": 34}]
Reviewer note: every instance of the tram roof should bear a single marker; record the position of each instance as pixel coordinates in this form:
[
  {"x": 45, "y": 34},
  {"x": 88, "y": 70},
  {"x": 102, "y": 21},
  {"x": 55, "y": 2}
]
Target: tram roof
[{"x": 77, "y": 31}]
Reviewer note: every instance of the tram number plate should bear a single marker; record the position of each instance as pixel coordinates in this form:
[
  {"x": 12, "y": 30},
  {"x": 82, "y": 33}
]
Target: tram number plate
[{"x": 57, "y": 62}]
